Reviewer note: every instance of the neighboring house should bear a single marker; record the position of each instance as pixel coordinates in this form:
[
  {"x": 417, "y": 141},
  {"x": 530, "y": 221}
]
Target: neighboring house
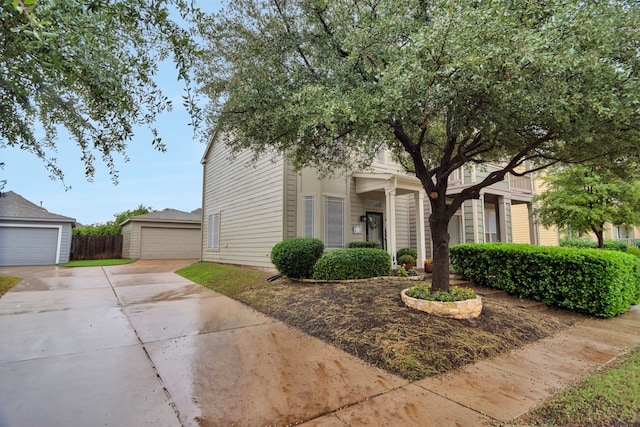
[
  {"x": 167, "y": 234},
  {"x": 249, "y": 207},
  {"x": 31, "y": 235}
]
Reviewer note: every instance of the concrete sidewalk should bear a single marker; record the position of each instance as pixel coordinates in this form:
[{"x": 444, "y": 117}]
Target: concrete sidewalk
[{"x": 137, "y": 345}]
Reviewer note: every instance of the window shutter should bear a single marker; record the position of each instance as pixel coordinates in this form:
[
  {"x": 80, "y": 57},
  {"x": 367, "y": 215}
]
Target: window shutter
[
  {"x": 308, "y": 214},
  {"x": 213, "y": 235},
  {"x": 334, "y": 223}
]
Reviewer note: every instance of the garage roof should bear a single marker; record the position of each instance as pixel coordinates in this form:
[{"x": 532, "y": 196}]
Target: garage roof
[
  {"x": 15, "y": 207},
  {"x": 169, "y": 215}
]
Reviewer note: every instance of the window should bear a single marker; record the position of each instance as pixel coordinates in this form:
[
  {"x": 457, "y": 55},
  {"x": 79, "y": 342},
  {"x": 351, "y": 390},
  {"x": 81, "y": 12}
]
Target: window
[
  {"x": 308, "y": 216},
  {"x": 334, "y": 223},
  {"x": 213, "y": 231},
  {"x": 490, "y": 223},
  {"x": 380, "y": 157}
]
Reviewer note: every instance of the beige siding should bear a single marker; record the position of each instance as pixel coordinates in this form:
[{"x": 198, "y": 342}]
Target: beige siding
[
  {"x": 126, "y": 241},
  {"x": 169, "y": 241},
  {"x": 250, "y": 201},
  {"x": 548, "y": 236},
  {"x": 520, "y": 224},
  {"x": 357, "y": 210},
  {"x": 311, "y": 184}
]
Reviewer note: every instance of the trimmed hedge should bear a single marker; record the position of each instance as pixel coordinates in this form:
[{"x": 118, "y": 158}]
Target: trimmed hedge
[
  {"x": 613, "y": 245},
  {"x": 354, "y": 263},
  {"x": 597, "y": 282},
  {"x": 371, "y": 245},
  {"x": 296, "y": 257},
  {"x": 407, "y": 251}
]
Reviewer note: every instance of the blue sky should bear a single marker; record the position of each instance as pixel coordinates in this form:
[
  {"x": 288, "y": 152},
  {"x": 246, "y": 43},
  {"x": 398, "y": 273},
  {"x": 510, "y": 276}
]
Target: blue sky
[{"x": 160, "y": 180}]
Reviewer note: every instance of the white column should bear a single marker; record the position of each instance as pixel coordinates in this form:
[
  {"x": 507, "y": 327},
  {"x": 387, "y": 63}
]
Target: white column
[
  {"x": 419, "y": 200},
  {"x": 390, "y": 195}
]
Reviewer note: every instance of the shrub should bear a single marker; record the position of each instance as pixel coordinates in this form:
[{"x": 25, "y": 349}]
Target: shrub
[
  {"x": 455, "y": 293},
  {"x": 372, "y": 245},
  {"x": 406, "y": 259},
  {"x": 407, "y": 251},
  {"x": 355, "y": 263},
  {"x": 614, "y": 245},
  {"x": 296, "y": 257},
  {"x": 597, "y": 282}
]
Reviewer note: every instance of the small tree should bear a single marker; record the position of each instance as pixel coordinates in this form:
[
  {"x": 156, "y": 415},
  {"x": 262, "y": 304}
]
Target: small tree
[
  {"x": 112, "y": 227},
  {"x": 583, "y": 199}
]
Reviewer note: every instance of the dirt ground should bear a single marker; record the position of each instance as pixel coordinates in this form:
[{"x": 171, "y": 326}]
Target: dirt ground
[{"x": 369, "y": 320}]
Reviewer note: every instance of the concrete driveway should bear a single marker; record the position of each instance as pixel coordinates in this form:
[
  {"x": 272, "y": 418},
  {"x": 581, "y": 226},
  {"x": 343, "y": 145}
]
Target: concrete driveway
[{"x": 138, "y": 345}]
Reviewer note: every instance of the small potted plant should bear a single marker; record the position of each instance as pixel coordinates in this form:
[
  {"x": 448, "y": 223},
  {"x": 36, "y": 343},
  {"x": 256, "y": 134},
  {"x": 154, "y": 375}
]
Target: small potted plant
[
  {"x": 407, "y": 260},
  {"x": 428, "y": 265}
]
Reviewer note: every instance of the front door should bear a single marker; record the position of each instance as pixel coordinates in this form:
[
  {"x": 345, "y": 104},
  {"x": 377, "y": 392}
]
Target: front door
[{"x": 375, "y": 228}]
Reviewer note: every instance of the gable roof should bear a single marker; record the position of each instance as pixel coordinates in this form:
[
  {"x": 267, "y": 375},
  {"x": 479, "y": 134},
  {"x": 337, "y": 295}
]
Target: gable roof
[
  {"x": 168, "y": 215},
  {"x": 14, "y": 206}
]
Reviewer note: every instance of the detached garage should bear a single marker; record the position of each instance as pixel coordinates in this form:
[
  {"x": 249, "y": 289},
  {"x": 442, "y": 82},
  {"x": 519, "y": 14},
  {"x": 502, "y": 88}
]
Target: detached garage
[
  {"x": 167, "y": 234},
  {"x": 31, "y": 235}
]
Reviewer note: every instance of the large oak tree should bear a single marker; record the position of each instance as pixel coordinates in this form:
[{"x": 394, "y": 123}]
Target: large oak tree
[{"x": 440, "y": 83}]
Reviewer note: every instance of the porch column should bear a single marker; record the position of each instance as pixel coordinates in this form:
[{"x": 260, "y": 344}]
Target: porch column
[
  {"x": 502, "y": 220},
  {"x": 534, "y": 239},
  {"x": 419, "y": 200},
  {"x": 390, "y": 196}
]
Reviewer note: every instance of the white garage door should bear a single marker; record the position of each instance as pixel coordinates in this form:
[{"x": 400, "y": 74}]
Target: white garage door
[
  {"x": 169, "y": 243},
  {"x": 28, "y": 245}
]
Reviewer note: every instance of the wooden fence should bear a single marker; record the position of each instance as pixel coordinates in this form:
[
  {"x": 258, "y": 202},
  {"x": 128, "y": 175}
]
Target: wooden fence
[{"x": 95, "y": 247}]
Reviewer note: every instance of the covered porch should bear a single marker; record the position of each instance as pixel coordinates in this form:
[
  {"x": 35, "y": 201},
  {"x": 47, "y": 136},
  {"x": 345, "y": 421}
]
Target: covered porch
[{"x": 390, "y": 186}]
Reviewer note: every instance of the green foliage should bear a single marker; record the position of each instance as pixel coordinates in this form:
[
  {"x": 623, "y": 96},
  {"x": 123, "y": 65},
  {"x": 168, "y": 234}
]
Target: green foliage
[
  {"x": 402, "y": 272},
  {"x": 614, "y": 245},
  {"x": 89, "y": 68},
  {"x": 407, "y": 251},
  {"x": 112, "y": 227},
  {"x": 295, "y": 257},
  {"x": 371, "y": 245},
  {"x": 455, "y": 293},
  {"x": 406, "y": 259},
  {"x": 583, "y": 199},
  {"x": 357, "y": 263},
  {"x": 597, "y": 282},
  {"x": 440, "y": 84},
  {"x": 108, "y": 229}
]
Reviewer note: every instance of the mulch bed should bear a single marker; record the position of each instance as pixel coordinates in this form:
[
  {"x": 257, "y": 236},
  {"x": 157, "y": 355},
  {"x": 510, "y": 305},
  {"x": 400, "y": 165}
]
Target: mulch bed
[{"x": 369, "y": 320}]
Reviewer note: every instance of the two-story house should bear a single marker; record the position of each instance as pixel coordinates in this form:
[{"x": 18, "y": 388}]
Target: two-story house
[{"x": 249, "y": 207}]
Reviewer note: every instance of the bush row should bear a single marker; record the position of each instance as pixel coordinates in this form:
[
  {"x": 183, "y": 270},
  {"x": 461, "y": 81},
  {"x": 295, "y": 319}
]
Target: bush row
[
  {"x": 302, "y": 257},
  {"x": 601, "y": 283},
  {"x": 614, "y": 245}
]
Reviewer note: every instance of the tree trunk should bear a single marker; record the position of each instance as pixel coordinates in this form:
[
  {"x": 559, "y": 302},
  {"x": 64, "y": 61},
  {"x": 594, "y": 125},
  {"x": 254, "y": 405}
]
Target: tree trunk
[
  {"x": 600, "y": 236},
  {"x": 440, "y": 237}
]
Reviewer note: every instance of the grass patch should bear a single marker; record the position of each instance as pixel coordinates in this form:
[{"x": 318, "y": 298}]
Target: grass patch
[
  {"x": 98, "y": 262},
  {"x": 8, "y": 282},
  {"x": 369, "y": 320},
  {"x": 610, "y": 397},
  {"x": 226, "y": 279}
]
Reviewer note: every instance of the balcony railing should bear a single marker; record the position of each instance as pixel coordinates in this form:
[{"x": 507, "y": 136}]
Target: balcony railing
[{"x": 521, "y": 184}]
